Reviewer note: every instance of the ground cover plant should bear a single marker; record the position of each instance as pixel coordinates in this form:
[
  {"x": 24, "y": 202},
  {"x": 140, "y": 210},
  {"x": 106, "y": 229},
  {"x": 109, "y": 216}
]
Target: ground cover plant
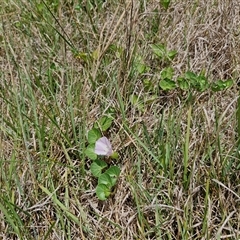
[{"x": 119, "y": 119}]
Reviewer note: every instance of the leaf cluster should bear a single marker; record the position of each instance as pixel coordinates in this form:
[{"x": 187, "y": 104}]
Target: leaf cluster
[{"x": 107, "y": 177}]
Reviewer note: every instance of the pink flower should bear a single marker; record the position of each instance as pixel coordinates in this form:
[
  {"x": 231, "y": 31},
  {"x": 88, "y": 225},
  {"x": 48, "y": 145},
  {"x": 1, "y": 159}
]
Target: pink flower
[{"x": 103, "y": 147}]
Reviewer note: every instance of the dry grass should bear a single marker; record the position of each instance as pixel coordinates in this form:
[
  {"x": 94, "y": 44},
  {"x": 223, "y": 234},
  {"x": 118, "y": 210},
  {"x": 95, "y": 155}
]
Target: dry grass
[{"x": 50, "y": 99}]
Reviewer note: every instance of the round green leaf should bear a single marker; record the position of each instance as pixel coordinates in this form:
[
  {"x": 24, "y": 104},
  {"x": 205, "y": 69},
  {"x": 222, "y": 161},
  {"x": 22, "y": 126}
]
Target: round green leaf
[
  {"x": 113, "y": 171},
  {"x": 201, "y": 83},
  {"x": 103, "y": 191},
  {"x": 137, "y": 102},
  {"x": 97, "y": 167},
  {"x": 167, "y": 84},
  {"x": 190, "y": 75},
  {"x": 105, "y": 179},
  {"x": 90, "y": 152},
  {"x": 158, "y": 49},
  {"x": 183, "y": 83},
  {"x": 221, "y": 85},
  {"x": 105, "y": 123},
  {"x": 93, "y": 135},
  {"x": 228, "y": 83},
  {"x": 167, "y": 73}
]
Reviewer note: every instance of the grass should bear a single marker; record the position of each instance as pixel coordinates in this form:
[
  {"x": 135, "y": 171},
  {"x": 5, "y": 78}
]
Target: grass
[{"x": 66, "y": 64}]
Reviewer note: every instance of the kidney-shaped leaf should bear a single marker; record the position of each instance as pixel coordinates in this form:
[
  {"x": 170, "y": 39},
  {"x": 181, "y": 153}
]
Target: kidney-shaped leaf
[
  {"x": 221, "y": 85},
  {"x": 167, "y": 73},
  {"x": 158, "y": 49},
  {"x": 103, "y": 191},
  {"x": 97, "y": 167},
  {"x": 90, "y": 152},
  {"x": 113, "y": 171},
  {"x": 105, "y": 179},
  {"x": 93, "y": 135},
  {"x": 105, "y": 123},
  {"x": 167, "y": 84},
  {"x": 183, "y": 83}
]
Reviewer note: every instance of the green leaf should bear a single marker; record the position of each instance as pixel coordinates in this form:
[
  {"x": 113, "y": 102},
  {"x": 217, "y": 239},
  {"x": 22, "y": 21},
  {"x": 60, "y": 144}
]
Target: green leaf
[
  {"x": 167, "y": 84},
  {"x": 165, "y": 3},
  {"x": 90, "y": 152},
  {"x": 141, "y": 68},
  {"x": 183, "y": 83},
  {"x": 93, "y": 135},
  {"x": 85, "y": 57},
  {"x": 139, "y": 65},
  {"x": 198, "y": 82},
  {"x": 105, "y": 179},
  {"x": 190, "y": 75},
  {"x": 202, "y": 83},
  {"x": 103, "y": 192},
  {"x": 221, "y": 85},
  {"x": 171, "y": 54},
  {"x": 114, "y": 173},
  {"x": 167, "y": 73},
  {"x": 97, "y": 167},
  {"x": 105, "y": 123},
  {"x": 228, "y": 83},
  {"x": 159, "y": 50}
]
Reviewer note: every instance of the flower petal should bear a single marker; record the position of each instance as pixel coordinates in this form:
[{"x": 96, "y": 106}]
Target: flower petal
[{"x": 103, "y": 147}]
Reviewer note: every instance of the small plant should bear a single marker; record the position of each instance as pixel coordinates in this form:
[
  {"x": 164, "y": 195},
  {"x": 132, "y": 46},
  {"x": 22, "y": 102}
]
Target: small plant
[
  {"x": 162, "y": 53},
  {"x": 139, "y": 65},
  {"x": 98, "y": 148},
  {"x": 165, "y": 3},
  {"x": 220, "y": 85},
  {"x": 108, "y": 178},
  {"x": 188, "y": 81},
  {"x": 166, "y": 82},
  {"x": 191, "y": 80}
]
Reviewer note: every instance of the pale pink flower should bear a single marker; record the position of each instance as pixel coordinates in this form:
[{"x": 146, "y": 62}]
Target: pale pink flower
[{"x": 103, "y": 147}]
